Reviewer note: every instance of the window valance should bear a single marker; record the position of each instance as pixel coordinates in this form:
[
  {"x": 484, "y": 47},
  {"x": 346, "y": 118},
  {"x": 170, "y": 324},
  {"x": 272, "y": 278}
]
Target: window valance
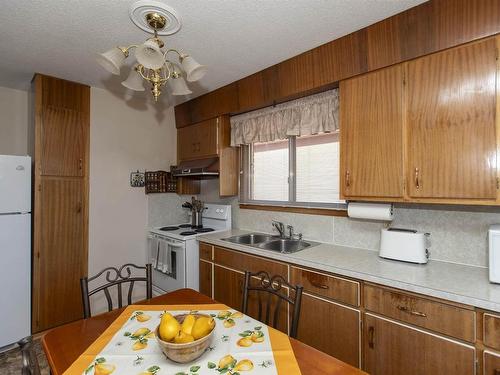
[{"x": 313, "y": 114}]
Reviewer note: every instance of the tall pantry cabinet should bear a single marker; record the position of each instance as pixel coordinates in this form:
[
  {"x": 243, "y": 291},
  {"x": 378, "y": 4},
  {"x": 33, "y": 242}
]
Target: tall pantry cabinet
[{"x": 60, "y": 149}]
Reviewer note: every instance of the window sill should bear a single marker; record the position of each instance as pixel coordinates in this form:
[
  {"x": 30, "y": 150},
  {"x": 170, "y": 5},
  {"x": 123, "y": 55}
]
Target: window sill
[{"x": 298, "y": 210}]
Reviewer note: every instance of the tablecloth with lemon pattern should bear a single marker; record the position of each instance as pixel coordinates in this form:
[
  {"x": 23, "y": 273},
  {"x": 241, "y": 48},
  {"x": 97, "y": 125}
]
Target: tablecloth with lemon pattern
[{"x": 240, "y": 345}]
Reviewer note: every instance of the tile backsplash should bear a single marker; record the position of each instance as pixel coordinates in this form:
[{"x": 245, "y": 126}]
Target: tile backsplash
[{"x": 458, "y": 233}]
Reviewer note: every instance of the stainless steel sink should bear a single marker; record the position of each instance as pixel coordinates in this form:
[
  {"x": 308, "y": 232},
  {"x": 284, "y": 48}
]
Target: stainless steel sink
[
  {"x": 270, "y": 242},
  {"x": 251, "y": 239},
  {"x": 285, "y": 245}
]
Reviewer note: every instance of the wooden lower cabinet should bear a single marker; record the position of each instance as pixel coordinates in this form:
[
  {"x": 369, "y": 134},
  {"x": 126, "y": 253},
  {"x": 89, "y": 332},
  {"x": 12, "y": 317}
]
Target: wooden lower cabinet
[
  {"x": 60, "y": 259},
  {"x": 228, "y": 287},
  {"x": 491, "y": 363},
  {"x": 206, "y": 278},
  {"x": 391, "y": 348},
  {"x": 331, "y": 328}
]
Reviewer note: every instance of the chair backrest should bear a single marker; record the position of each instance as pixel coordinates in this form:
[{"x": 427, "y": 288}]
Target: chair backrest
[
  {"x": 116, "y": 276},
  {"x": 266, "y": 286}
]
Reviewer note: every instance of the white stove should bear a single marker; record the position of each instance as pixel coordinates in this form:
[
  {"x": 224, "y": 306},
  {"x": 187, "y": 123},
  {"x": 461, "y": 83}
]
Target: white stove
[{"x": 174, "y": 252}]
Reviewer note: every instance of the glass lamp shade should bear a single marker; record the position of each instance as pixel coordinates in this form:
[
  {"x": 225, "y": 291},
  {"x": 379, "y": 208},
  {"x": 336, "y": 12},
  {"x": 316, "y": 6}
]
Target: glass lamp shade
[
  {"x": 112, "y": 60},
  {"x": 179, "y": 86},
  {"x": 134, "y": 80},
  {"x": 149, "y": 55},
  {"x": 194, "y": 71}
]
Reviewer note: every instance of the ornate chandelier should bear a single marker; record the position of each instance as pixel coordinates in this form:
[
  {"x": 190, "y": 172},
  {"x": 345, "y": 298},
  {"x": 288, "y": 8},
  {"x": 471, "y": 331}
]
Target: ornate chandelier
[{"x": 153, "y": 63}]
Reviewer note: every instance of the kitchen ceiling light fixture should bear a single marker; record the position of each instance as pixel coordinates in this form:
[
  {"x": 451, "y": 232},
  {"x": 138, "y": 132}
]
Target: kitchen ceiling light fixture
[{"x": 153, "y": 64}]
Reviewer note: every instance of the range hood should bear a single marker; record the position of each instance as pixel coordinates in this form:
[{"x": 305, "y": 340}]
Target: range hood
[{"x": 200, "y": 167}]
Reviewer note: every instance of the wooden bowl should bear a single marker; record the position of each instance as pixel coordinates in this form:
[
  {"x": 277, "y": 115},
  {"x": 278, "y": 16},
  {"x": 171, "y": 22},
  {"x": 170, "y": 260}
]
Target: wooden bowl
[{"x": 188, "y": 352}]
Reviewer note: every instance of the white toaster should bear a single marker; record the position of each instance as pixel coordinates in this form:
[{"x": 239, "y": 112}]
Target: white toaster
[{"x": 407, "y": 245}]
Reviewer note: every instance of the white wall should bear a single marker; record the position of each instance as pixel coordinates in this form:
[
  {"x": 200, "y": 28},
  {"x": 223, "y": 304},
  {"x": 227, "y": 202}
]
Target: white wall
[
  {"x": 13, "y": 122},
  {"x": 124, "y": 136}
]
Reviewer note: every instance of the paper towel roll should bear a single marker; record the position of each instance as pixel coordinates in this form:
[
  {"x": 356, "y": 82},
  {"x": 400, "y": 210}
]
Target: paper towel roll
[{"x": 370, "y": 211}]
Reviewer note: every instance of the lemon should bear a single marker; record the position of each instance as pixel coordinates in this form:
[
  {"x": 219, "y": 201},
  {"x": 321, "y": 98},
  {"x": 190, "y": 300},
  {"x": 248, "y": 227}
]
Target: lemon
[
  {"x": 202, "y": 327},
  {"x": 236, "y": 315},
  {"x": 139, "y": 345},
  {"x": 243, "y": 365},
  {"x": 141, "y": 332},
  {"x": 245, "y": 342},
  {"x": 103, "y": 369},
  {"x": 223, "y": 314},
  {"x": 169, "y": 327},
  {"x": 226, "y": 361},
  {"x": 182, "y": 338},
  {"x": 257, "y": 337},
  {"x": 143, "y": 318},
  {"x": 187, "y": 324},
  {"x": 228, "y": 323}
]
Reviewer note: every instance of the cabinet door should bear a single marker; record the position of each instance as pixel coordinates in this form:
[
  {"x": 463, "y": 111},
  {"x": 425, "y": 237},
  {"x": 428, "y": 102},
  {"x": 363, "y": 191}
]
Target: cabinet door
[
  {"x": 63, "y": 142},
  {"x": 391, "y": 348},
  {"x": 371, "y": 117},
  {"x": 491, "y": 363},
  {"x": 228, "y": 289},
  {"x": 60, "y": 259},
  {"x": 206, "y": 278},
  {"x": 451, "y": 123},
  {"x": 338, "y": 335},
  {"x": 198, "y": 141}
]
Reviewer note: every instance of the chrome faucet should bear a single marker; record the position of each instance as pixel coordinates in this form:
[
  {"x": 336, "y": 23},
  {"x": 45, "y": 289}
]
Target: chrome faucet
[
  {"x": 292, "y": 235},
  {"x": 280, "y": 227}
]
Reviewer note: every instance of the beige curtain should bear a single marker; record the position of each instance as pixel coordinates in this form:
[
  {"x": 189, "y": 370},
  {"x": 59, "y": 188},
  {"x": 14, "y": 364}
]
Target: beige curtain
[{"x": 310, "y": 115}]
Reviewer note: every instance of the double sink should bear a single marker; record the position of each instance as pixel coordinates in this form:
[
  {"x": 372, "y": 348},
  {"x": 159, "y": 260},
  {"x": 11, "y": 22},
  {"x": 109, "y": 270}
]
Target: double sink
[{"x": 270, "y": 242}]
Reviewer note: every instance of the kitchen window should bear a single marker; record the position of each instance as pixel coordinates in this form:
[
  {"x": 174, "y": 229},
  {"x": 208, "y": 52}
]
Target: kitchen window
[{"x": 299, "y": 171}]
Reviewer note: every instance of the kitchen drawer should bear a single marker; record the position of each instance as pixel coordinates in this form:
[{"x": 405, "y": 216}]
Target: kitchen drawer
[
  {"x": 436, "y": 316},
  {"x": 491, "y": 363},
  {"x": 205, "y": 251},
  {"x": 336, "y": 288},
  {"x": 243, "y": 262},
  {"x": 491, "y": 324}
]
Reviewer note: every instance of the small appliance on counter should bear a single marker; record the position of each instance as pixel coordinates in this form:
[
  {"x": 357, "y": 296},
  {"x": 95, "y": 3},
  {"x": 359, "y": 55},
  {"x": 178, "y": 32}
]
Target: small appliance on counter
[
  {"x": 494, "y": 253},
  {"x": 407, "y": 245}
]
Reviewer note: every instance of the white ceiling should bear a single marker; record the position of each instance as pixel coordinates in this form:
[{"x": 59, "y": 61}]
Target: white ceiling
[{"x": 234, "y": 38}]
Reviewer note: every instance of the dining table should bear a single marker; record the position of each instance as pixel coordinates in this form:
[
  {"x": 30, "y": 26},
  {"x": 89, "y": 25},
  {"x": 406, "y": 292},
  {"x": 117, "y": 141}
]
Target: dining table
[{"x": 64, "y": 344}]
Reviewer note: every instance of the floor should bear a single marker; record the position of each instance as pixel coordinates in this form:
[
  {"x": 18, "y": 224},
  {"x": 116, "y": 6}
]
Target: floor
[{"x": 10, "y": 361}]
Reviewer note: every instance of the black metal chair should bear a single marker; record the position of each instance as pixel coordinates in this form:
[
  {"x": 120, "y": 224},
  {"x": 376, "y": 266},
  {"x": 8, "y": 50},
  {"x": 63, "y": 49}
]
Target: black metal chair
[
  {"x": 275, "y": 285},
  {"x": 28, "y": 356},
  {"x": 116, "y": 276}
]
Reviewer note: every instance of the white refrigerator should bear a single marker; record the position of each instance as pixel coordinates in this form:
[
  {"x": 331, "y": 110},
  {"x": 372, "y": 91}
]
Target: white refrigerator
[{"x": 15, "y": 248}]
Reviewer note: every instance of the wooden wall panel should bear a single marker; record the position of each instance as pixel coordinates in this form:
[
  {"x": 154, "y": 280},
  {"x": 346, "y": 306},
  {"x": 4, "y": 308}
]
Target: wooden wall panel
[
  {"x": 221, "y": 101},
  {"x": 183, "y": 115},
  {"x": 383, "y": 43}
]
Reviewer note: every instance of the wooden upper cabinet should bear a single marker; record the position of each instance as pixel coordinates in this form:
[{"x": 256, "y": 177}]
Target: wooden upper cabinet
[
  {"x": 224, "y": 100},
  {"x": 64, "y": 135},
  {"x": 451, "y": 129},
  {"x": 257, "y": 90},
  {"x": 198, "y": 141},
  {"x": 294, "y": 76},
  {"x": 340, "y": 59},
  {"x": 371, "y": 123},
  {"x": 183, "y": 114}
]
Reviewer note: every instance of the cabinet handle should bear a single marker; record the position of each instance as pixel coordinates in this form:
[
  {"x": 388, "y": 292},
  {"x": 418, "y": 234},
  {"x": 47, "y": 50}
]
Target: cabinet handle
[
  {"x": 318, "y": 285},
  {"x": 417, "y": 178},
  {"x": 347, "y": 179},
  {"x": 497, "y": 371},
  {"x": 79, "y": 207},
  {"x": 371, "y": 337},
  {"x": 80, "y": 163},
  {"x": 411, "y": 312}
]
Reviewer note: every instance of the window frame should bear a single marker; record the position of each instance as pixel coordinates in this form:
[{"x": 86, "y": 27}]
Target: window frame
[{"x": 246, "y": 177}]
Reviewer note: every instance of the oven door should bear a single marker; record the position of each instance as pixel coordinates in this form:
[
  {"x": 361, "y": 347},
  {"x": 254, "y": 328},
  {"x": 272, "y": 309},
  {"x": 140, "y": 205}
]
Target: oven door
[{"x": 169, "y": 273}]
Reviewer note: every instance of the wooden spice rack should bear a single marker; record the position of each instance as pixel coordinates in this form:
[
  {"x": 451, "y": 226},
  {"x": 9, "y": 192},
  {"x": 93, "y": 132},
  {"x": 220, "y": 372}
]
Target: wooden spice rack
[{"x": 159, "y": 182}]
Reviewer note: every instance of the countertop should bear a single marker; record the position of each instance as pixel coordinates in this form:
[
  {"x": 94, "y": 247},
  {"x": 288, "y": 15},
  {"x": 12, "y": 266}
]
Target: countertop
[{"x": 454, "y": 282}]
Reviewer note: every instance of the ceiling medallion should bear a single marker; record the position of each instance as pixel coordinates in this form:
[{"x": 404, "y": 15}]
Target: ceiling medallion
[{"x": 153, "y": 64}]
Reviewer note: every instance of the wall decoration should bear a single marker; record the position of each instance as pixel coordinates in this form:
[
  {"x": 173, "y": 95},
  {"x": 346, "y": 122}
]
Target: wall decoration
[{"x": 137, "y": 179}]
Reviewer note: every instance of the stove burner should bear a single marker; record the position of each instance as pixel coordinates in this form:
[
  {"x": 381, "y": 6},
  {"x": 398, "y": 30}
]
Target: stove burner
[
  {"x": 185, "y": 226},
  {"x": 166, "y": 229},
  {"x": 188, "y": 233},
  {"x": 204, "y": 230}
]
